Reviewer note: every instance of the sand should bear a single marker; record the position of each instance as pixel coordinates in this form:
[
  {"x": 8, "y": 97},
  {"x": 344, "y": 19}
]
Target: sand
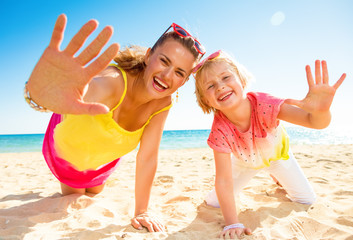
[{"x": 31, "y": 206}]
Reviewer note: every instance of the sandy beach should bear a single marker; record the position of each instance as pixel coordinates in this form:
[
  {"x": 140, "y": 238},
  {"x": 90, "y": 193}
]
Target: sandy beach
[{"x": 31, "y": 206}]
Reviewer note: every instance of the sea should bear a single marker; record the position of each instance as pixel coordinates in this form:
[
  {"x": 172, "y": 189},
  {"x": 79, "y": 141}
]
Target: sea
[{"x": 183, "y": 139}]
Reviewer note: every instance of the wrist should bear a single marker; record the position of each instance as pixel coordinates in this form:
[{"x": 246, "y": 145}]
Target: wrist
[
  {"x": 320, "y": 120},
  {"x": 234, "y": 225},
  {"x": 30, "y": 101},
  {"x": 144, "y": 214}
]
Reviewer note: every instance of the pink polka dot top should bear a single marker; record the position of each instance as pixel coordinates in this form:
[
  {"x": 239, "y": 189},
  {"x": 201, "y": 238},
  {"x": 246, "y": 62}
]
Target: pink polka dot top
[{"x": 266, "y": 139}]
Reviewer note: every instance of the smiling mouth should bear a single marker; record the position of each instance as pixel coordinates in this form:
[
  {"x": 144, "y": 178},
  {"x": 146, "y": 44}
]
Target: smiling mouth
[
  {"x": 159, "y": 85},
  {"x": 225, "y": 97}
]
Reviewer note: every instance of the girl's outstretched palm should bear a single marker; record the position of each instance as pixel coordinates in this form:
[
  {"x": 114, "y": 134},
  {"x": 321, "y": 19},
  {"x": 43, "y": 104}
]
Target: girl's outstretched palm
[
  {"x": 321, "y": 94},
  {"x": 59, "y": 80}
]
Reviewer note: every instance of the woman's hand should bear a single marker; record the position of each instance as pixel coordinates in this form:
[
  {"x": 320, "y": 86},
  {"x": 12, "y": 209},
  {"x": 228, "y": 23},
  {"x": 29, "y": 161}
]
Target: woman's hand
[
  {"x": 60, "y": 79},
  {"x": 152, "y": 223},
  {"x": 321, "y": 94}
]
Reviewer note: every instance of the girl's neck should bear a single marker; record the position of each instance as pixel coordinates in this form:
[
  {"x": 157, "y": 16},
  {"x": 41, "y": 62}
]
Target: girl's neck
[{"x": 240, "y": 115}]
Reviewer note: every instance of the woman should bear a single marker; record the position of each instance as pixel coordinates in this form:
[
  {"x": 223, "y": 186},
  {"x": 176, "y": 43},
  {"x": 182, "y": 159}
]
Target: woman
[{"x": 101, "y": 113}]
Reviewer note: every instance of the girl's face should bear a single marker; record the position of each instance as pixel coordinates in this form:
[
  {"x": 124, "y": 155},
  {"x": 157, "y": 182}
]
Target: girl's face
[
  {"x": 168, "y": 67},
  {"x": 221, "y": 87}
]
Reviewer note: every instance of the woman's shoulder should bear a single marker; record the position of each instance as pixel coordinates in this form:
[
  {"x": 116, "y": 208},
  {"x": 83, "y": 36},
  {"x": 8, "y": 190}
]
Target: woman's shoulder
[{"x": 107, "y": 86}]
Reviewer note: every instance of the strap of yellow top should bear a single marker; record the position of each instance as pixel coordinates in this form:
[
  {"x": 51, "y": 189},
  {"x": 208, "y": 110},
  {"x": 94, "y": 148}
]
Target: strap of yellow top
[
  {"x": 124, "y": 93},
  {"x": 162, "y": 110},
  {"x": 125, "y": 86}
]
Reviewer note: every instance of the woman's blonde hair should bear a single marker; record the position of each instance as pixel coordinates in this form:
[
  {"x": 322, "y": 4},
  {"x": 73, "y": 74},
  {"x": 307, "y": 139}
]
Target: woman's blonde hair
[
  {"x": 132, "y": 58},
  {"x": 244, "y": 75}
]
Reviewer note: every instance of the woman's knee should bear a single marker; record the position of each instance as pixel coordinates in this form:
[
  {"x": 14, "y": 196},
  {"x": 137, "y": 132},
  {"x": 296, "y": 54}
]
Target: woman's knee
[
  {"x": 96, "y": 189},
  {"x": 67, "y": 190}
]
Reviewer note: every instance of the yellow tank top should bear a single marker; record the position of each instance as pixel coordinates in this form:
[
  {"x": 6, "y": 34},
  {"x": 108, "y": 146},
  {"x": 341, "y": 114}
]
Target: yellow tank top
[{"x": 89, "y": 142}]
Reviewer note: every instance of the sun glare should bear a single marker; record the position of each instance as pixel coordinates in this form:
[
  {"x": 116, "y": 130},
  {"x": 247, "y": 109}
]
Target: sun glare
[{"x": 277, "y": 18}]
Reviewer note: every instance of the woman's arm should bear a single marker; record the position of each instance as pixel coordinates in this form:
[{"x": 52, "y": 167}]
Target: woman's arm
[
  {"x": 146, "y": 165},
  {"x": 225, "y": 193},
  {"x": 314, "y": 110},
  {"x": 59, "y": 80}
]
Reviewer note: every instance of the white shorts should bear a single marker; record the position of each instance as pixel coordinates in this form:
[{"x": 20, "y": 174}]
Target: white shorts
[{"x": 287, "y": 172}]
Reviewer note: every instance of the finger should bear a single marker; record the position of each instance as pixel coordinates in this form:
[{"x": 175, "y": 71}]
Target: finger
[
  {"x": 157, "y": 225},
  {"x": 224, "y": 234},
  {"x": 89, "y": 108},
  {"x": 340, "y": 81},
  {"x": 324, "y": 72},
  {"x": 136, "y": 224},
  {"x": 247, "y": 231},
  {"x": 79, "y": 39},
  {"x": 158, "y": 228},
  {"x": 232, "y": 234},
  {"x": 58, "y": 32},
  {"x": 96, "y": 46},
  {"x": 317, "y": 72},
  {"x": 294, "y": 102},
  {"x": 239, "y": 232},
  {"x": 161, "y": 227},
  {"x": 149, "y": 226},
  {"x": 309, "y": 76},
  {"x": 102, "y": 61}
]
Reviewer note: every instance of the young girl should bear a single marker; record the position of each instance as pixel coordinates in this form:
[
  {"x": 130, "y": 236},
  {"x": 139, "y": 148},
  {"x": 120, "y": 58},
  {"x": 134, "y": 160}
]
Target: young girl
[
  {"x": 247, "y": 136},
  {"x": 99, "y": 118}
]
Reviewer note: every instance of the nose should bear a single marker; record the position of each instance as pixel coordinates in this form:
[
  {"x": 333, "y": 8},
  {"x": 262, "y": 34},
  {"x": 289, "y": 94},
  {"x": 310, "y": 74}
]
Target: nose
[
  {"x": 167, "y": 73},
  {"x": 220, "y": 87}
]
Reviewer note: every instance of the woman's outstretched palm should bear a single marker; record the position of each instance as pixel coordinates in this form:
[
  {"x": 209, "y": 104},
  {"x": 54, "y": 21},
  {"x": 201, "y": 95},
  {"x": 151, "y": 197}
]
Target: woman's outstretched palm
[
  {"x": 59, "y": 80},
  {"x": 321, "y": 94}
]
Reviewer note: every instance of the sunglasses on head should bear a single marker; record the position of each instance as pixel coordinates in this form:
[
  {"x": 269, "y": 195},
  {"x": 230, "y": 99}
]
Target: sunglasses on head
[
  {"x": 210, "y": 57},
  {"x": 183, "y": 33}
]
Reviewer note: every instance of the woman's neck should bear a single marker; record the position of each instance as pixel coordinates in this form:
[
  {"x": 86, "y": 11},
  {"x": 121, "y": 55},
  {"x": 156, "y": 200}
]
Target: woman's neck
[{"x": 136, "y": 94}]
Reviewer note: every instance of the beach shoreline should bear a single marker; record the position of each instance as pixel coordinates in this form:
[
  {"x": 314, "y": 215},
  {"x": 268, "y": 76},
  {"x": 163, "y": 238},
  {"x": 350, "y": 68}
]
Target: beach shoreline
[{"x": 31, "y": 206}]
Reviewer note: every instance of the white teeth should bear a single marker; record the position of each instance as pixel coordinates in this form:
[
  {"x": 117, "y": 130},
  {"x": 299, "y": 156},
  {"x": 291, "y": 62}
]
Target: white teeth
[
  {"x": 223, "y": 97},
  {"x": 161, "y": 83}
]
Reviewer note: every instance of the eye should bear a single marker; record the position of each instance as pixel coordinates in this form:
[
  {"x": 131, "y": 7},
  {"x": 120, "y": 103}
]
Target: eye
[
  {"x": 226, "y": 77},
  {"x": 180, "y": 74},
  {"x": 164, "y": 61},
  {"x": 210, "y": 86}
]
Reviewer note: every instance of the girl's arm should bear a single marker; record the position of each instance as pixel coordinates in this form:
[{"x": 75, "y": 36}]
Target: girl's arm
[
  {"x": 314, "y": 110},
  {"x": 60, "y": 79},
  {"x": 225, "y": 193},
  {"x": 146, "y": 165}
]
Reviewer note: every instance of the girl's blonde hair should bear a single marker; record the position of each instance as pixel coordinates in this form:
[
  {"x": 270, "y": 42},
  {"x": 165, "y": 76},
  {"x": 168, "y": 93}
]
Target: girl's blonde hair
[
  {"x": 132, "y": 58},
  {"x": 244, "y": 75}
]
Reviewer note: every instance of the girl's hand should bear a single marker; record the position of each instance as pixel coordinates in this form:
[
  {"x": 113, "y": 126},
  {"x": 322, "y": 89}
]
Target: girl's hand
[
  {"x": 60, "y": 79},
  {"x": 152, "y": 223},
  {"x": 232, "y": 232},
  {"x": 321, "y": 94}
]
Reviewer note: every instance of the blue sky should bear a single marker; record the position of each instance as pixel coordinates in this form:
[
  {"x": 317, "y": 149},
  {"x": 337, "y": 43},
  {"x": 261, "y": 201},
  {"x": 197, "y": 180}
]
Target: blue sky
[{"x": 273, "y": 39}]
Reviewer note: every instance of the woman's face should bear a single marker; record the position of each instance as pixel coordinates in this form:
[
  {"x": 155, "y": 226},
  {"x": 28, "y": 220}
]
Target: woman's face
[{"x": 167, "y": 68}]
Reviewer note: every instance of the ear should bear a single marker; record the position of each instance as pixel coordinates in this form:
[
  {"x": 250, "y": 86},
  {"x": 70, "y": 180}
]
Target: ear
[{"x": 147, "y": 56}]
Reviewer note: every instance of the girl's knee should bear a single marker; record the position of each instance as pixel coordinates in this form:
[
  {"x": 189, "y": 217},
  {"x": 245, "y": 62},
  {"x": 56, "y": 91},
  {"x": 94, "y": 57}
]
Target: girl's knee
[{"x": 307, "y": 199}]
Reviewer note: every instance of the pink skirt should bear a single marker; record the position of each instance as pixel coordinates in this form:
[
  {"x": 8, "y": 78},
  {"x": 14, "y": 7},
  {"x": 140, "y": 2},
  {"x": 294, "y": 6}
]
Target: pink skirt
[{"x": 66, "y": 172}]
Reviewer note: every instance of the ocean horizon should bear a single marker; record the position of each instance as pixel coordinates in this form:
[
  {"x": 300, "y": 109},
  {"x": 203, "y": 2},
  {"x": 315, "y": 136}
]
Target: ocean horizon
[{"x": 184, "y": 139}]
